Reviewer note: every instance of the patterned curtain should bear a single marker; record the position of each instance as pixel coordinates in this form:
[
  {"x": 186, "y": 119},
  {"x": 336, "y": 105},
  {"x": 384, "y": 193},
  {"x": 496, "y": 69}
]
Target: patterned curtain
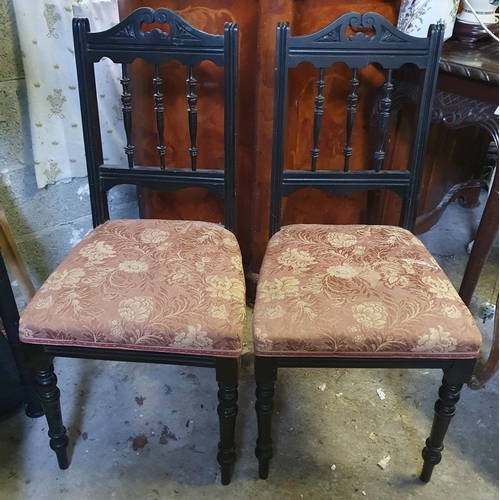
[{"x": 45, "y": 33}]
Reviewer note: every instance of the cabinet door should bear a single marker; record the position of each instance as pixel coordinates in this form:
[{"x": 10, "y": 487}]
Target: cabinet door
[{"x": 257, "y": 38}]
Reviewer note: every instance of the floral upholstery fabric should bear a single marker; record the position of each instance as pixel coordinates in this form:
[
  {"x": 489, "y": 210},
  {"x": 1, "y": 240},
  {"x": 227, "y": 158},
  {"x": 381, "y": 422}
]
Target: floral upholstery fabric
[
  {"x": 360, "y": 291},
  {"x": 149, "y": 285}
]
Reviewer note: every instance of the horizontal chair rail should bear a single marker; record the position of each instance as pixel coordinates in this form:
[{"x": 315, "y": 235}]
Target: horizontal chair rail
[
  {"x": 300, "y": 362},
  {"x": 131, "y": 355},
  {"x": 160, "y": 55},
  {"x": 338, "y": 182},
  {"x": 389, "y": 59},
  {"x": 150, "y": 177}
]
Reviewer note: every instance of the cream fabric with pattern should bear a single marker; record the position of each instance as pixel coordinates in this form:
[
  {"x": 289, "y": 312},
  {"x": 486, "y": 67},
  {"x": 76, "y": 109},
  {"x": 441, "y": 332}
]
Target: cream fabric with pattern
[
  {"x": 361, "y": 291},
  {"x": 45, "y": 35},
  {"x": 150, "y": 285}
]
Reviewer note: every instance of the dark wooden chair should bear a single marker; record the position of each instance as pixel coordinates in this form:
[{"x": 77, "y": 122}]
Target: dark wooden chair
[
  {"x": 155, "y": 291},
  {"x": 358, "y": 296}
]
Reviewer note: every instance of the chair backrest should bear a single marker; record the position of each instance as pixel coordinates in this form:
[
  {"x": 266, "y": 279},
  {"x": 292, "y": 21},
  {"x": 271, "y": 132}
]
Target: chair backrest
[
  {"x": 126, "y": 42},
  {"x": 343, "y": 41}
]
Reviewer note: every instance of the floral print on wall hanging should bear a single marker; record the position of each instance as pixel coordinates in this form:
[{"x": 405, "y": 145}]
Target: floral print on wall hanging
[{"x": 45, "y": 34}]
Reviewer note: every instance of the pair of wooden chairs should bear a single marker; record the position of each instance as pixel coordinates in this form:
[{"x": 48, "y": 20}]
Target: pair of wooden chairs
[{"x": 174, "y": 292}]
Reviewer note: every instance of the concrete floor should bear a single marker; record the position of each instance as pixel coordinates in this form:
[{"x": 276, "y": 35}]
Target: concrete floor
[{"x": 150, "y": 432}]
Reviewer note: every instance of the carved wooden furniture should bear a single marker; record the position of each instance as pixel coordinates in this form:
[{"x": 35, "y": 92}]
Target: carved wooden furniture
[
  {"x": 485, "y": 235},
  {"x": 255, "y": 90},
  {"x": 150, "y": 290},
  {"x": 463, "y": 112},
  {"x": 463, "y": 123},
  {"x": 467, "y": 96},
  {"x": 9, "y": 315},
  {"x": 355, "y": 296}
]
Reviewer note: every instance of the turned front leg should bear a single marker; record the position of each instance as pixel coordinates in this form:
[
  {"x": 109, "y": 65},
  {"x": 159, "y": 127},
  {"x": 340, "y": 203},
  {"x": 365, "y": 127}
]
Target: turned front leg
[
  {"x": 49, "y": 395},
  {"x": 444, "y": 409},
  {"x": 265, "y": 376},
  {"x": 227, "y": 376},
  {"x": 264, "y": 406}
]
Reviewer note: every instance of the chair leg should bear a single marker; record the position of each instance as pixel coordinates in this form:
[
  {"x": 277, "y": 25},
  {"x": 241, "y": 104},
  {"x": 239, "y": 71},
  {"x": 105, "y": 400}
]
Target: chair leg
[
  {"x": 34, "y": 408},
  {"x": 49, "y": 395},
  {"x": 265, "y": 377},
  {"x": 444, "y": 410},
  {"x": 227, "y": 377}
]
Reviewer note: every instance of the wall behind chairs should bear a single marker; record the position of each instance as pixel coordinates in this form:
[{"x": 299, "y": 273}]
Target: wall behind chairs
[{"x": 47, "y": 222}]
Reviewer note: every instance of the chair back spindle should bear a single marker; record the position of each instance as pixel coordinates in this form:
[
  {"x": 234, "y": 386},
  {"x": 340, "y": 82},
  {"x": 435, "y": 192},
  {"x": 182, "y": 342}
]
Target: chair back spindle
[
  {"x": 383, "y": 120},
  {"x": 192, "y": 116},
  {"x": 352, "y": 101},
  {"x": 318, "y": 114},
  {"x": 160, "y": 123},
  {"x": 126, "y": 99}
]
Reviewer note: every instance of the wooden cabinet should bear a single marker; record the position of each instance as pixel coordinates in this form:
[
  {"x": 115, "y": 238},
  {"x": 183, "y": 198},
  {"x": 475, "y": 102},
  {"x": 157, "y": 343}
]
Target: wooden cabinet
[{"x": 455, "y": 156}]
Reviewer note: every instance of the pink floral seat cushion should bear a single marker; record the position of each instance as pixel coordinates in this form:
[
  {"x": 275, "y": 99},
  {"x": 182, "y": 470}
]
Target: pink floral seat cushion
[
  {"x": 358, "y": 291},
  {"x": 149, "y": 285}
]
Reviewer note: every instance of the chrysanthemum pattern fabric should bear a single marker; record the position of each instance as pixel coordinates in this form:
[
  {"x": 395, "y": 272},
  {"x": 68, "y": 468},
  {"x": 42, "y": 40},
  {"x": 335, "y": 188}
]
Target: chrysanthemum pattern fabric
[
  {"x": 149, "y": 285},
  {"x": 359, "y": 291}
]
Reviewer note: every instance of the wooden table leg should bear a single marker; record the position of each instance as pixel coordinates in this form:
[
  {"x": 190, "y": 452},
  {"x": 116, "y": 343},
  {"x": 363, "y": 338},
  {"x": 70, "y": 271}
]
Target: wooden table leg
[
  {"x": 486, "y": 233},
  {"x": 484, "y": 372},
  {"x": 14, "y": 260}
]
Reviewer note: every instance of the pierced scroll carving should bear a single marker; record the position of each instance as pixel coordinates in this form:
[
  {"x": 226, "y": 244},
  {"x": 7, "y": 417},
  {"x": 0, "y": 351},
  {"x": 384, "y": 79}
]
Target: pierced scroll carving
[
  {"x": 381, "y": 31},
  {"x": 132, "y": 28}
]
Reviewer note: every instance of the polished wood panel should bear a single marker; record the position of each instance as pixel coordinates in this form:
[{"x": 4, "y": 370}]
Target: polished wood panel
[
  {"x": 257, "y": 25},
  {"x": 453, "y": 164},
  {"x": 208, "y": 16},
  {"x": 305, "y": 17}
]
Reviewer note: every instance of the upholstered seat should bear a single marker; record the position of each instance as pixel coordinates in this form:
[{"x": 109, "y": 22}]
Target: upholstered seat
[
  {"x": 357, "y": 290},
  {"x": 165, "y": 286}
]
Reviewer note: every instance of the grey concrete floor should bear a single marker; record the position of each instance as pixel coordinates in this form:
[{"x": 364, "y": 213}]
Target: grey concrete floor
[{"x": 150, "y": 432}]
